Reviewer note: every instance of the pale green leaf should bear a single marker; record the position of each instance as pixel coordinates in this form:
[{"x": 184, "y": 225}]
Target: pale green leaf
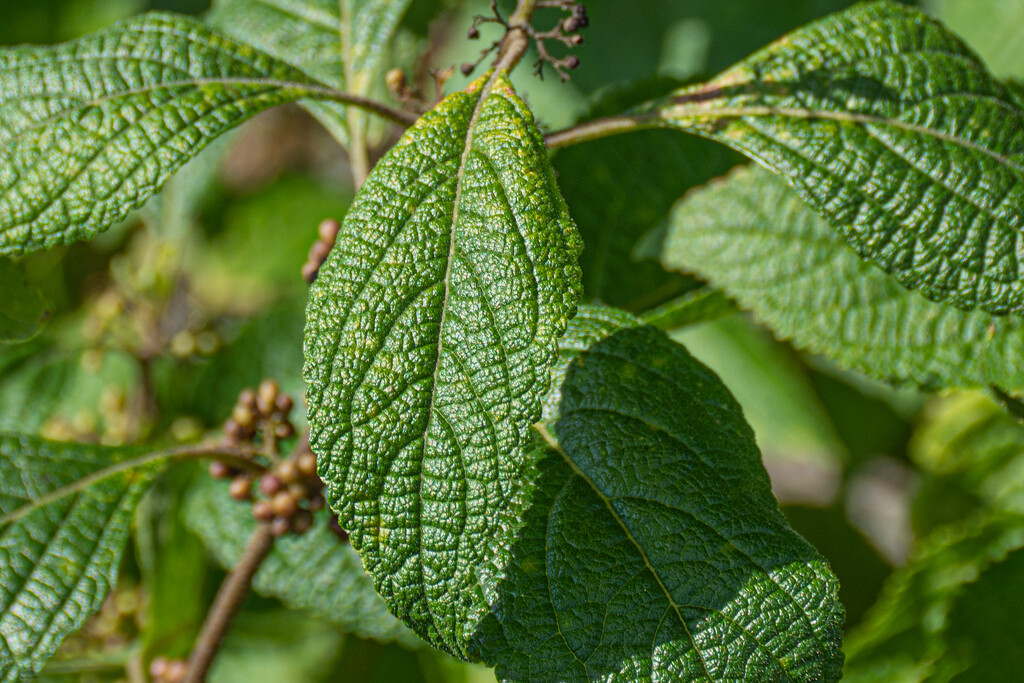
[
  {"x": 91, "y": 128},
  {"x": 652, "y": 548},
  {"x": 995, "y": 28},
  {"x": 778, "y": 400},
  {"x": 752, "y": 237},
  {"x": 65, "y": 513},
  {"x": 315, "y": 572},
  {"x": 895, "y": 131},
  {"x": 951, "y": 614},
  {"x": 340, "y": 42},
  {"x": 971, "y": 456},
  {"x": 431, "y": 329},
  {"x": 23, "y": 309}
]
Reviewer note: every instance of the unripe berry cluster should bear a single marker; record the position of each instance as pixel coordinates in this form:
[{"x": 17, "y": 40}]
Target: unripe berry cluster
[
  {"x": 164, "y": 670},
  {"x": 264, "y": 412},
  {"x": 328, "y": 234},
  {"x": 288, "y": 493}
]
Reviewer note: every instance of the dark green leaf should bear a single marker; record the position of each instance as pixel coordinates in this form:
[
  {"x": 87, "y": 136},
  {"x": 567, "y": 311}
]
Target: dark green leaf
[
  {"x": 652, "y": 548},
  {"x": 431, "y": 330},
  {"x": 65, "y": 513},
  {"x": 91, "y": 128},
  {"x": 315, "y": 572},
  {"x": 895, "y": 131},
  {"x": 620, "y": 188},
  {"x": 22, "y": 307},
  {"x": 754, "y": 238}
]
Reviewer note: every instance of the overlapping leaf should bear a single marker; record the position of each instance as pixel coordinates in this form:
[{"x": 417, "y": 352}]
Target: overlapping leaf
[
  {"x": 753, "y": 237},
  {"x": 950, "y": 614},
  {"x": 340, "y": 42},
  {"x": 652, "y": 548},
  {"x": 970, "y": 454},
  {"x": 431, "y": 330},
  {"x": 65, "y": 513},
  {"x": 895, "y": 131},
  {"x": 91, "y": 128},
  {"x": 22, "y": 307},
  {"x": 315, "y": 572}
]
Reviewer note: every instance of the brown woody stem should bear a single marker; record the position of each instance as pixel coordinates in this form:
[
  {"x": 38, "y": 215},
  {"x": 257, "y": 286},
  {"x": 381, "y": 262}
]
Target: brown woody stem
[
  {"x": 229, "y": 598},
  {"x": 517, "y": 40}
]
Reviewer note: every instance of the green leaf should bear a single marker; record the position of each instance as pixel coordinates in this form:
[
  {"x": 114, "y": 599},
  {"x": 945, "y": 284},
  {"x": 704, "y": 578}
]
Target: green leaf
[
  {"x": 696, "y": 306},
  {"x": 65, "y": 513},
  {"x": 971, "y": 456},
  {"x": 752, "y": 237},
  {"x": 315, "y": 572},
  {"x": 652, "y": 548},
  {"x": 890, "y": 127},
  {"x": 91, "y": 128},
  {"x": 22, "y": 308},
  {"x": 340, "y": 42},
  {"x": 618, "y": 189},
  {"x": 431, "y": 329},
  {"x": 793, "y": 428},
  {"x": 929, "y": 623},
  {"x": 995, "y": 28}
]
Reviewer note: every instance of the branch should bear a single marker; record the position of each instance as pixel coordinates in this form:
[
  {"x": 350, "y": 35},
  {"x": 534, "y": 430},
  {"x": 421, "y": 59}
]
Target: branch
[
  {"x": 517, "y": 40},
  {"x": 599, "y": 128},
  {"x": 229, "y": 598}
]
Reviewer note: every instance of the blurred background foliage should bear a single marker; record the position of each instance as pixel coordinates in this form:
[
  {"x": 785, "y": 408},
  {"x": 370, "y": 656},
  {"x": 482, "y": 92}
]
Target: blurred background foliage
[{"x": 159, "y": 323}]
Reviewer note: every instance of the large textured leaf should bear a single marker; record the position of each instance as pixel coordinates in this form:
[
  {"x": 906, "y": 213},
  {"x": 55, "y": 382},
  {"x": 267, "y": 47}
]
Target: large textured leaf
[
  {"x": 892, "y": 128},
  {"x": 430, "y": 333},
  {"x": 22, "y": 307},
  {"x": 59, "y": 547},
  {"x": 91, "y": 128},
  {"x": 953, "y": 613},
  {"x": 340, "y": 42},
  {"x": 315, "y": 572},
  {"x": 753, "y": 237},
  {"x": 652, "y": 549}
]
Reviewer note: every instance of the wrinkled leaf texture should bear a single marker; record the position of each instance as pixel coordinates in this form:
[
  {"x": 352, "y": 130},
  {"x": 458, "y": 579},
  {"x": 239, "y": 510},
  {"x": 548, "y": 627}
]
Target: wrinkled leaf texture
[
  {"x": 431, "y": 330},
  {"x": 894, "y": 130},
  {"x": 60, "y": 549},
  {"x": 652, "y": 548},
  {"x": 751, "y": 236},
  {"x": 91, "y": 128}
]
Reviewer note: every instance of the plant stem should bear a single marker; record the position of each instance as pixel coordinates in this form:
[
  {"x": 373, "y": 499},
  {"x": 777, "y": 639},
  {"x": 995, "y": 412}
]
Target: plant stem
[
  {"x": 517, "y": 40},
  {"x": 229, "y": 598},
  {"x": 358, "y": 150},
  {"x": 599, "y": 128}
]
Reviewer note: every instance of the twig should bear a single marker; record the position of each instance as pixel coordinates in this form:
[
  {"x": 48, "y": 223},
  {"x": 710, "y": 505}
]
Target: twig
[
  {"x": 600, "y": 128},
  {"x": 517, "y": 40},
  {"x": 229, "y": 598}
]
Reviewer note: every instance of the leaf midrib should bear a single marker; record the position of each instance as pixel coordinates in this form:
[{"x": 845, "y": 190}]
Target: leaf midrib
[
  {"x": 307, "y": 89},
  {"x": 553, "y": 443},
  {"x": 696, "y": 113}
]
